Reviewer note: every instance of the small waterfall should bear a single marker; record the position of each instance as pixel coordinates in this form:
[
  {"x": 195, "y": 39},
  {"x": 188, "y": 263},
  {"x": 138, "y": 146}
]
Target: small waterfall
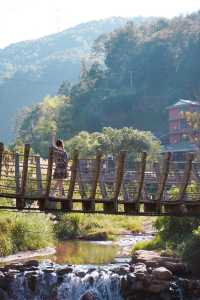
[{"x": 80, "y": 284}]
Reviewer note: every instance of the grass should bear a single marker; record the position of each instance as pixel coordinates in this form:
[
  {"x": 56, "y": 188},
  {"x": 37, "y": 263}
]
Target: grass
[
  {"x": 21, "y": 232},
  {"x": 90, "y": 226},
  {"x": 154, "y": 244}
]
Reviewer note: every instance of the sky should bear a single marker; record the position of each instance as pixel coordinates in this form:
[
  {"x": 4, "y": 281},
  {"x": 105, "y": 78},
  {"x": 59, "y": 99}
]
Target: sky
[{"x": 29, "y": 19}]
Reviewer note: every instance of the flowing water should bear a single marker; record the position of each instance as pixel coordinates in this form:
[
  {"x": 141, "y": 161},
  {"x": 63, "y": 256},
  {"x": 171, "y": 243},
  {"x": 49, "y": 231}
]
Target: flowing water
[{"x": 95, "y": 252}]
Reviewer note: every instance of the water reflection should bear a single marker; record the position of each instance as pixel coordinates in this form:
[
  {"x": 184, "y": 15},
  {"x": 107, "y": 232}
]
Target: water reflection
[{"x": 83, "y": 252}]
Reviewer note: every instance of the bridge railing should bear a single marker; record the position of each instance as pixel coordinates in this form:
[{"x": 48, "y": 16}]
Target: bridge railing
[{"x": 101, "y": 185}]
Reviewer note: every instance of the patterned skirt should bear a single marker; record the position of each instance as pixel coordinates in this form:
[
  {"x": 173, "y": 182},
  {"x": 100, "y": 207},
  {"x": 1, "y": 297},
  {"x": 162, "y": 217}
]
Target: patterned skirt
[{"x": 60, "y": 173}]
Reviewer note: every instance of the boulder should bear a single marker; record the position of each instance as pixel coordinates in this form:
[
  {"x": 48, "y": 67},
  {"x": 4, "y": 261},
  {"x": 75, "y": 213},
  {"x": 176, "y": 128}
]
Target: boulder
[{"x": 162, "y": 273}]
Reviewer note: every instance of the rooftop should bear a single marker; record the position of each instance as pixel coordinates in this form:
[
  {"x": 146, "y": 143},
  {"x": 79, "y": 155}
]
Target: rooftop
[
  {"x": 181, "y": 147},
  {"x": 184, "y": 102}
]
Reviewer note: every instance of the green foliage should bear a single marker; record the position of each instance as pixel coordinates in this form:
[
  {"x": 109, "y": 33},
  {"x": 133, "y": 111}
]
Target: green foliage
[
  {"x": 37, "y": 124},
  {"x": 24, "y": 232},
  {"x": 191, "y": 251},
  {"x": 134, "y": 74},
  {"x": 111, "y": 141},
  {"x": 88, "y": 226}
]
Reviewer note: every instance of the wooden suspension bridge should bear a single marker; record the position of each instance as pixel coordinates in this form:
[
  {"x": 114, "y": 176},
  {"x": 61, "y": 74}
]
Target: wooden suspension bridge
[{"x": 100, "y": 185}]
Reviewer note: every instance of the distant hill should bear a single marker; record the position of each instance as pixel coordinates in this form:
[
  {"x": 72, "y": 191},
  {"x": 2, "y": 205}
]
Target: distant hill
[{"x": 32, "y": 69}]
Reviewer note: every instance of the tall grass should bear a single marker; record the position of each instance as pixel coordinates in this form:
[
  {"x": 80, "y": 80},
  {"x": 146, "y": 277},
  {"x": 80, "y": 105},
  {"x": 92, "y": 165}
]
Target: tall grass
[{"x": 20, "y": 232}]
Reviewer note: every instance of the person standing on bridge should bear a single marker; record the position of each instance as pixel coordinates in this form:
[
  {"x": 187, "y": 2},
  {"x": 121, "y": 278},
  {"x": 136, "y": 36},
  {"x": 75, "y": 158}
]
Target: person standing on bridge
[{"x": 61, "y": 163}]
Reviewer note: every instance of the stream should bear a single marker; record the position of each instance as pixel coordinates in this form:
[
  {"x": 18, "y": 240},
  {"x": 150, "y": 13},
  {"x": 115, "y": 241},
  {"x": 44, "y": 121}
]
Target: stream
[{"x": 90, "y": 270}]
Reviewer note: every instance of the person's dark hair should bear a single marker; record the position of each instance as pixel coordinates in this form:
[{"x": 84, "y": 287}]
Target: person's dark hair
[{"x": 59, "y": 143}]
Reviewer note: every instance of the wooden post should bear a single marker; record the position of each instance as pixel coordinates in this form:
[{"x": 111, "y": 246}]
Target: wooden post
[
  {"x": 44, "y": 202},
  {"x": 141, "y": 179},
  {"x": 1, "y": 156},
  {"x": 186, "y": 178},
  {"x": 163, "y": 179},
  {"x": 17, "y": 173},
  {"x": 20, "y": 202},
  {"x": 38, "y": 174},
  {"x": 68, "y": 204},
  {"x": 112, "y": 204},
  {"x": 89, "y": 205}
]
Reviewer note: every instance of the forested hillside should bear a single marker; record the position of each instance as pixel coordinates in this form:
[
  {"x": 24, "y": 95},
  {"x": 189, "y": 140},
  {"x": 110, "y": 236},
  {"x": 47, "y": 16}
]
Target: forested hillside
[
  {"x": 32, "y": 69},
  {"x": 146, "y": 68}
]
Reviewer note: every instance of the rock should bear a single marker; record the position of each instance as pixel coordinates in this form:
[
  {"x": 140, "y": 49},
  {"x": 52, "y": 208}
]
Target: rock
[
  {"x": 64, "y": 270},
  {"x": 122, "y": 270},
  {"x": 31, "y": 263},
  {"x": 140, "y": 271},
  {"x": 158, "y": 286},
  {"x": 162, "y": 273},
  {"x": 80, "y": 274},
  {"x": 15, "y": 266},
  {"x": 3, "y": 295},
  {"x": 32, "y": 282},
  {"x": 88, "y": 296},
  {"x": 177, "y": 268}
]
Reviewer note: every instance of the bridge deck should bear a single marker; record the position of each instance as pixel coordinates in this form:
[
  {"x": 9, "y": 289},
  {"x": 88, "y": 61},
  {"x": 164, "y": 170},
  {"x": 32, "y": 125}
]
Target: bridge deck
[{"x": 100, "y": 185}]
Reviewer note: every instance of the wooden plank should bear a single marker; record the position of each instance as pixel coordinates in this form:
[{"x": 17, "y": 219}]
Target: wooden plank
[
  {"x": 112, "y": 205},
  {"x": 186, "y": 178},
  {"x": 90, "y": 204},
  {"x": 1, "y": 156},
  {"x": 44, "y": 203},
  {"x": 20, "y": 202},
  {"x": 68, "y": 205},
  {"x": 163, "y": 180},
  {"x": 17, "y": 173},
  {"x": 38, "y": 174},
  {"x": 141, "y": 180}
]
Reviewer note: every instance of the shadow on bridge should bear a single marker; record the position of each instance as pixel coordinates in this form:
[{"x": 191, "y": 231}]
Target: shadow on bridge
[{"x": 100, "y": 185}]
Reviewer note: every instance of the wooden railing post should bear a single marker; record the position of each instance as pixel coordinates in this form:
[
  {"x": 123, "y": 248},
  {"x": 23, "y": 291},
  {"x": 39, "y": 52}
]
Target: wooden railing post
[
  {"x": 68, "y": 204},
  {"x": 17, "y": 173},
  {"x": 89, "y": 205},
  {"x": 186, "y": 178},
  {"x": 112, "y": 205},
  {"x": 44, "y": 202},
  {"x": 141, "y": 179},
  {"x": 163, "y": 179},
  {"x": 20, "y": 201},
  {"x": 1, "y": 156},
  {"x": 38, "y": 174}
]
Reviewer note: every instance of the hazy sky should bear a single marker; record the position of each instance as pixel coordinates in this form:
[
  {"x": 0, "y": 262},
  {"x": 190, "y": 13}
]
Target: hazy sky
[{"x": 29, "y": 19}]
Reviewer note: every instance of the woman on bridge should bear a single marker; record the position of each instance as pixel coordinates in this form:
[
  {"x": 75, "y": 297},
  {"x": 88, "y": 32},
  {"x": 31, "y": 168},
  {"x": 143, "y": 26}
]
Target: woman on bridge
[{"x": 61, "y": 163}]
